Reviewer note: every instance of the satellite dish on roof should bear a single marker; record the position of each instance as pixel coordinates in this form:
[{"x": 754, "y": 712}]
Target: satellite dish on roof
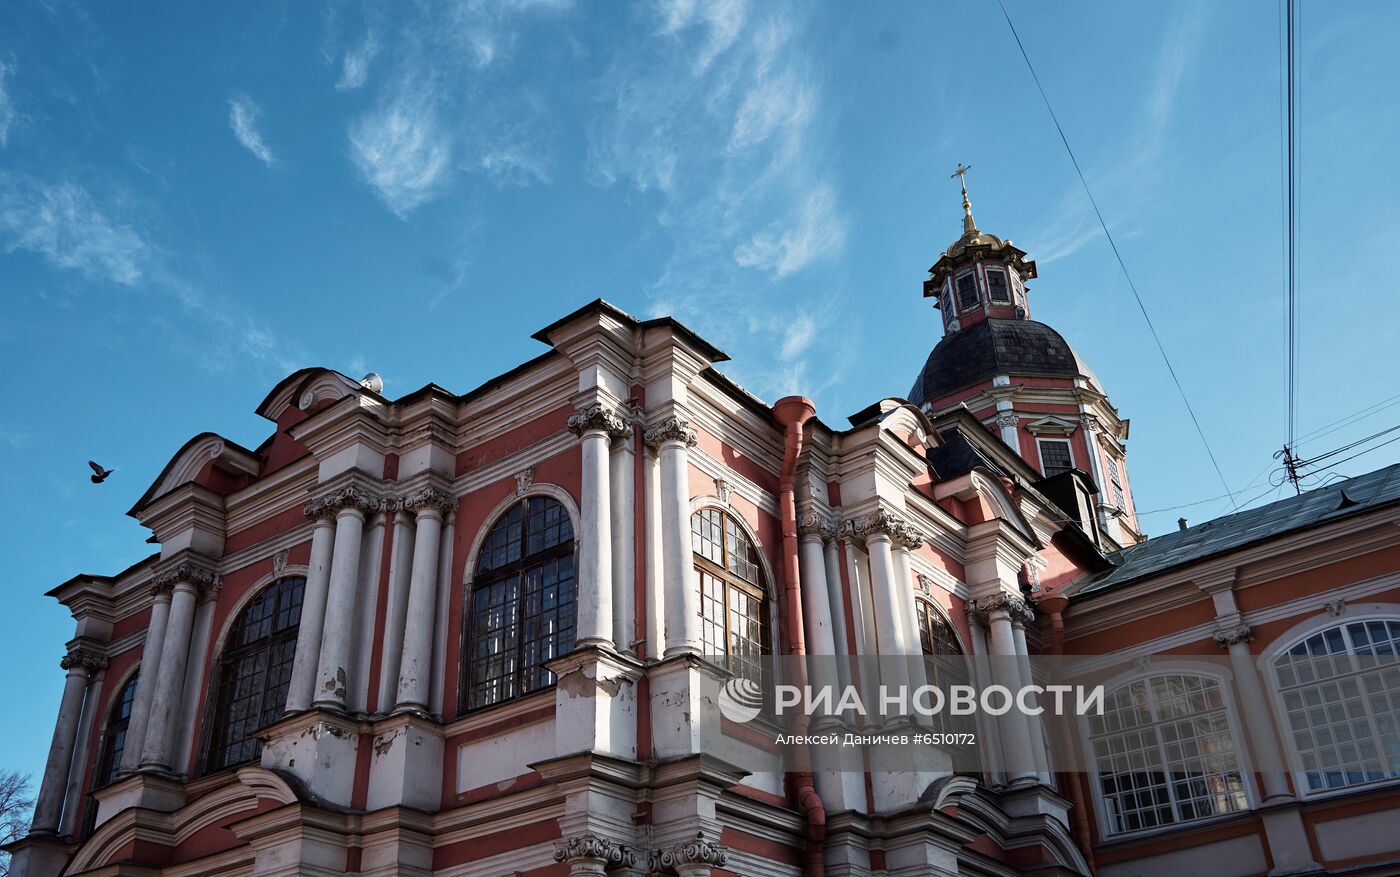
[{"x": 372, "y": 382}]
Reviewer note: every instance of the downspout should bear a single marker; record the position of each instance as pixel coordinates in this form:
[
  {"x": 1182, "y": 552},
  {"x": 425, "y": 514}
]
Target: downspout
[
  {"x": 1054, "y": 605},
  {"x": 793, "y": 412}
]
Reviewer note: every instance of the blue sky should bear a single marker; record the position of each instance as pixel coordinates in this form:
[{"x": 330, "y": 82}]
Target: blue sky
[{"x": 193, "y": 203}]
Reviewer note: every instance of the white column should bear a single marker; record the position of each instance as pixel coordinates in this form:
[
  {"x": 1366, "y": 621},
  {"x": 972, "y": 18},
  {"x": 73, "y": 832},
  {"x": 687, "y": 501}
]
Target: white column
[
  {"x": 655, "y": 572},
  {"x": 158, "y": 753},
  {"x": 889, "y": 625},
  {"x": 1091, "y": 441},
  {"x": 332, "y": 679},
  {"x": 1034, "y": 722},
  {"x": 444, "y": 594},
  {"x": 194, "y": 676},
  {"x": 595, "y": 425},
  {"x": 1257, "y": 716},
  {"x": 831, "y": 557},
  {"x": 146, "y": 687},
  {"x": 622, "y": 492},
  {"x": 313, "y": 609},
  {"x": 48, "y": 805},
  {"x": 1015, "y": 730},
  {"x": 366, "y": 608},
  {"x": 416, "y": 666},
  {"x": 1006, "y": 425},
  {"x": 816, "y": 602},
  {"x": 73, "y": 793},
  {"x": 395, "y": 613},
  {"x": 673, "y": 438},
  {"x": 987, "y": 726}
]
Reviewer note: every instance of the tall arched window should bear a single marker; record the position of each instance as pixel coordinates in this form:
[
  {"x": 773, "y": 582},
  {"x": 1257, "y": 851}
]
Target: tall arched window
[
  {"x": 943, "y": 661},
  {"x": 1341, "y": 695},
  {"x": 522, "y": 602},
  {"x": 254, "y": 673},
  {"x": 114, "y": 737},
  {"x": 733, "y": 599},
  {"x": 1164, "y": 753},
  {"x": 936, "y": 635}
]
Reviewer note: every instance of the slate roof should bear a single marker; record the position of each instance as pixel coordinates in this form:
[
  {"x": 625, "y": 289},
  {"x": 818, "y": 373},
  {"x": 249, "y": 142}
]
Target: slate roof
[
  {"x": 957, "y": 456},
  {"x": 993, "y": 347},
  {"x": 1322, "y": 505}
]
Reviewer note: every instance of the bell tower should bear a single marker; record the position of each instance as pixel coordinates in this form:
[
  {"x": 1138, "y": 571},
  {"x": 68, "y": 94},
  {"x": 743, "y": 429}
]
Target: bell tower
[{"x": 1020, "y": 377}]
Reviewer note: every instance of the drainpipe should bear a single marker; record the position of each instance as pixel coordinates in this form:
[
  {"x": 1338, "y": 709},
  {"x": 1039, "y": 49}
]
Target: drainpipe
[
  {"x": 793, "y": 412},
  {"x": 1054, "y": 605}
]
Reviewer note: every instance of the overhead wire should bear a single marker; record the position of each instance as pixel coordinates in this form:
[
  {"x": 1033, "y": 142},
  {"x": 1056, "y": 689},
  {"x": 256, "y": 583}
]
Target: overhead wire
[{"x": 1117, "y": 255}]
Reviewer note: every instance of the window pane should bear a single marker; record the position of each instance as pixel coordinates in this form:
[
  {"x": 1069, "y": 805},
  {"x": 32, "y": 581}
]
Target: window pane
[
  {"x": 967, "y": 292},
  {"x": 997, "y": 288},
  {"x": 1055, "y": 457}
]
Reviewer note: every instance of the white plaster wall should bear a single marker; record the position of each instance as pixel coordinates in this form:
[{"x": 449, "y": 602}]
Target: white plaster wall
[{"x": 503, "y": 757}]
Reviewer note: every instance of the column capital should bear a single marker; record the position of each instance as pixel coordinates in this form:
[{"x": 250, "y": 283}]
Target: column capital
[
  {"x": 1229, "y": 636},
  {"x": 675, "y": 428},
  {"x": 83, "y": 659},
  {"x": 203, "y": 580},
  {"x": 351, "y": 496},
  {"x": 598, "y": 417},
  {"x": 814, "y": 524},
  {"x": 1012, "y": 604},
  {"x": 882, "y": 522},
  {"x": 430, "y": 500},
  {"x": 1007, "y": 419},
  {"x": 590, "y": 848},
  {"x": 694, "y": 852}
]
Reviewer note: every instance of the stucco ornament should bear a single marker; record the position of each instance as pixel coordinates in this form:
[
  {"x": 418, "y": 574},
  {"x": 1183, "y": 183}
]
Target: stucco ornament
[
  {"x": 592, "y": 849},
  {"x": 83, "y": 659},
  {"x": 1229, "y": 636},
  {"x": 353, "y": 496},
  {"x": 205, "y": 581},
  {"x": 724, "y": 490},
  {"x": 429, "y": 499},
  {"x": 813, "y": 524},
  {"x": 672, "y": 429},
  {"x": 1012, "y": 604},
  {"x": 697, "y": 852},
  {"x": 524, "y": 480},
  {"x": 597, "y": 417}
]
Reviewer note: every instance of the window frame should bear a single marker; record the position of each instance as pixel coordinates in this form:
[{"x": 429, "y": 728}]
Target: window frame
[
  {"x": 228, "y": 654},
  {"x": 99, "y": 780},
  {"x": 1244, "y": 764},
  {"x": 1040, "y": 452},
  {"x": 1006, "y": 285},
  {"x": 976, "y": 292},
  {"x": 515, "y": 569},
  {"x": 1266, "y": 662},
  {"x": 761, "y": 592}
]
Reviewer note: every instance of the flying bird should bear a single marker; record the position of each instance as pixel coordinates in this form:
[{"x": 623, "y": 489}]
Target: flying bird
[{"x": 99, "y": 474}]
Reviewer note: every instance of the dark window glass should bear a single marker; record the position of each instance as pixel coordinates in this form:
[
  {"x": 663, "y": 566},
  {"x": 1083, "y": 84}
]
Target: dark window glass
[
  {"x": 254, "y": 673},
  {"x": 522, "y": 603},
  {"x": 997, "y": 289},
  {"x": 967, "y": 292},
  {"x": 114, "y": 737},
  {"x": 733, "y": 606},
  {"x": 1055, "y": 457}
]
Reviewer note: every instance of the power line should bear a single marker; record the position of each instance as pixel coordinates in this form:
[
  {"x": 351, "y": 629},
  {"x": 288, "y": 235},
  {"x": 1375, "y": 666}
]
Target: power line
[
  {"x": 1119, "y": 256},
  {"x": 1354, "y": 456}
]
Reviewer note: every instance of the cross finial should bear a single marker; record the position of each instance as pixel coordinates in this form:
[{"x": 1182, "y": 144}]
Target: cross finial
[{"x": 969, "y": 226}]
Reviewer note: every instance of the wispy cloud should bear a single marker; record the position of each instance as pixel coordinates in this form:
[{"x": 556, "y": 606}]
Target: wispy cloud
[
  {"x": 7, "y": 102},
  {"x": 65, "y": 225},
  {"x": 243, "y": 116},
  {"x": 354, "y": 67},
  {"x": 720, "y": 112},
  {"x": 437, "y": 114},
  {"x": 402, "y": 150}
]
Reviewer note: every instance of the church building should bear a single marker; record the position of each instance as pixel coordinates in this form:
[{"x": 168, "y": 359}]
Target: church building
[{"x": 478, "y": 634}]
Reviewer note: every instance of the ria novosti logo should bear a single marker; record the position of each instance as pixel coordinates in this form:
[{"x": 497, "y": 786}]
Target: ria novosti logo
[{"x": 740, "y": 700}]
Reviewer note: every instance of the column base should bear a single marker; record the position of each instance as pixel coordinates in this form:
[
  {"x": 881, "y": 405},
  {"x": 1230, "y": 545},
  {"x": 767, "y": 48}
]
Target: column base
[
  {"x": 146, "y": 790},
  {"x": 595, "y": 702},
  {"x": 1288, "y": 841},
  {"x": 405, "y": 767},
  {"x": 319, "y": 748},
  {"x": 684, "y": 712},
  {"x": 41, "y": 855}
]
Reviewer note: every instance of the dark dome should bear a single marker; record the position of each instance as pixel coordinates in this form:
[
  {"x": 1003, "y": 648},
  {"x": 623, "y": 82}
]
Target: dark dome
[{"x": 995, "y": 347}]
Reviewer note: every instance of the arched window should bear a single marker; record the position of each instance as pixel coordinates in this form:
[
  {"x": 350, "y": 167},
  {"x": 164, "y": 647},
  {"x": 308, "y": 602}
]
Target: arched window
[
  {"x": 733, "y": 599},
  {"x": 114, "y": 737},
  {"x": 936, "y": 635},
  {"x": 522, "y": 602},
  {"x": 1341, "y": 695},
  {"x": 254, "y": 672},
  {"x": 1164, "y": 753}
]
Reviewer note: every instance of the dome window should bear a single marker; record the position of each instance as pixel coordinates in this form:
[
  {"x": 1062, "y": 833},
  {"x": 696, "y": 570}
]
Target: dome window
[
  {"x": 1000, "y": 292},
  {"x": 967, "y": 292}
]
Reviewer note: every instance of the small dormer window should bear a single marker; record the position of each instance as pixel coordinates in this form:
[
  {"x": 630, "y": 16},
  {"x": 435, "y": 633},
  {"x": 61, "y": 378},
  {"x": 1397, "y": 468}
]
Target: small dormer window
[
  {"x": 967, "y": 292},
  {"x": 1055, "y": 457},
  {"x": 998, "y": 290}
]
